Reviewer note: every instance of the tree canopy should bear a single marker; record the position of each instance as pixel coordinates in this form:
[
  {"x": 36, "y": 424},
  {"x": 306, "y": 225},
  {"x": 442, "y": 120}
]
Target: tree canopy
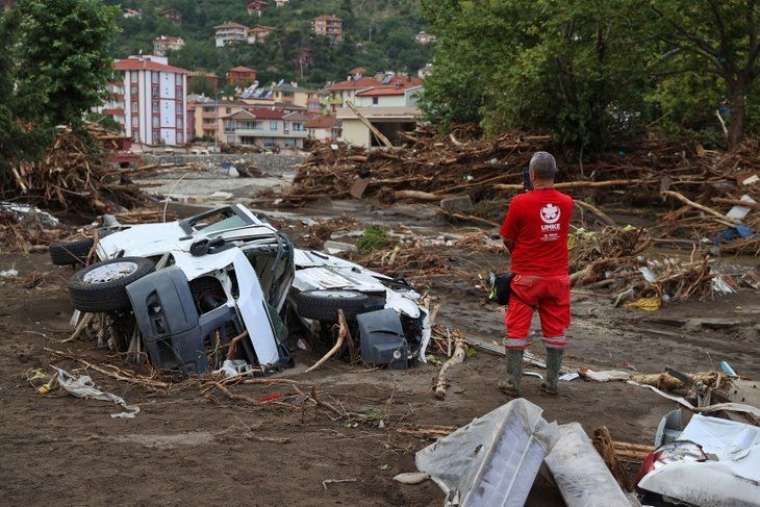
[
  {"x": 55, "y": 66},
  {"x": 593, "y": 71}
]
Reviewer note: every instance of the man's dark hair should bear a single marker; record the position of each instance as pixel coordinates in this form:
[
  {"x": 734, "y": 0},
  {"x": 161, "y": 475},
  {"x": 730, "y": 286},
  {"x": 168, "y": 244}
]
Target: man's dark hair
[{"x": 543, "y": 165}]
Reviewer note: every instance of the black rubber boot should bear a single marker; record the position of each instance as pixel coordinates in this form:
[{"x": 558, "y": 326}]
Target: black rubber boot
[
  {"x": 553, "y": 366},
  {"x": 511, "y": 385}
]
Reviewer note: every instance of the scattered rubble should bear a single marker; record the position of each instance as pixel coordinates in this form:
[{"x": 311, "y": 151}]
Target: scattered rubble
[{"x": 704, "y": 196}]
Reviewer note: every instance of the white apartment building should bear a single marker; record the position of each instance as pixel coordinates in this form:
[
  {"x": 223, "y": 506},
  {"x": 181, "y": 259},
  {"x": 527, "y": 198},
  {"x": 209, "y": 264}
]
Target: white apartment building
[{"x": 154, "y": 100}]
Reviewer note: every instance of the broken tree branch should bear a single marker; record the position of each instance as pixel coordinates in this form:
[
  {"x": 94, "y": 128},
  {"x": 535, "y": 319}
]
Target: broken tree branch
[
  {"x": 596, "y": 211},
  {"x": 581, "y": 184},
  {"x": 457, "y": 357},
  {"x": 722, "y": 218},
  {"x": 343, "y": 334}
]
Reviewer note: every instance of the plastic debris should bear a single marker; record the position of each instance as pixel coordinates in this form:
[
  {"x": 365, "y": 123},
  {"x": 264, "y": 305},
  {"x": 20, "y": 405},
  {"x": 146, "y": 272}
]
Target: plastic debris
[
  {"x": 9, "y": 273},
  {"x": 84, "y": 387},
  {"x": 234, "y": 368},
  {"x": 412, "y": 478},
  {"x": 651, "y": 304},
  {"x": 604, "y": 376},
  {"x": 494, "y": 459},
  {"x": 728, "y": 370},
  {"x": 580, "y": 473}
]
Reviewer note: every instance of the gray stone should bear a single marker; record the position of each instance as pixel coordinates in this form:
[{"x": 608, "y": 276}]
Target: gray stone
[{"x": 457, "y": 204}]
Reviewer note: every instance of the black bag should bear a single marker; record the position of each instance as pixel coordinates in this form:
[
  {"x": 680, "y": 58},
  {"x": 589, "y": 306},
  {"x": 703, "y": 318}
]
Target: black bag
[{"x": 501, "y": 287}]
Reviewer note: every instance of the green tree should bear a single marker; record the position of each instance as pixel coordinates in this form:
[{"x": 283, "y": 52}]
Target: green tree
[
  {"x": 64, "y": 50},
  {"x": 719, "y": 38},
  {"x": 18, "y": 139}
]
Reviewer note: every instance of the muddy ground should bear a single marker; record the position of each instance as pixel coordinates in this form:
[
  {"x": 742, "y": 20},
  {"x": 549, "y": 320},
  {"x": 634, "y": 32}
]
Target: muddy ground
[{"x": 187, "y": 448}]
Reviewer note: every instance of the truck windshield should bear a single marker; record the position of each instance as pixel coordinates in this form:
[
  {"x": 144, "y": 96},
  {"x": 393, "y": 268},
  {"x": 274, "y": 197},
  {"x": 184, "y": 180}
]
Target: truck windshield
[{"x": 222, "y": 225}]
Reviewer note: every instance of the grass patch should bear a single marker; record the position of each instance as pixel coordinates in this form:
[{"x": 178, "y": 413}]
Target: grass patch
[{"x": 373, "y": 238}]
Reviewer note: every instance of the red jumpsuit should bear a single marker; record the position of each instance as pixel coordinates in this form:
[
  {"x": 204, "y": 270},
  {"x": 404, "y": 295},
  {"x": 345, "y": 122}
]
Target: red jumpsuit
[{"x": 538, "y": 223}]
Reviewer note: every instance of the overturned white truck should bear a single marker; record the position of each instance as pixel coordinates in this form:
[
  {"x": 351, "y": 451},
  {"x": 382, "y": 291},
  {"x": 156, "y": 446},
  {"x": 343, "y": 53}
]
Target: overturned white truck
[{"x": 226, "y": 284}]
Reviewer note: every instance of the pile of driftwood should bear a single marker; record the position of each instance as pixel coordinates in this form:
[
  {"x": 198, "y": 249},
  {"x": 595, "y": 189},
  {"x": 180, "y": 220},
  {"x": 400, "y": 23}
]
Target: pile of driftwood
[
  {"x": 411, "y": 262},
  {"x": 72, "y": 175},
  {"x": 427, "y": 165},
  {"x": 614, "y": 259},
  {"x": 26, "y": 237},
  {"x": 689, "y": 190}
]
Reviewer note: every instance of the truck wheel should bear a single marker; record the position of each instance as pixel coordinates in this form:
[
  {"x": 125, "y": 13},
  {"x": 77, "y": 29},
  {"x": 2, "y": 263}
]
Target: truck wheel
[
  {"x": 323, "y": 305},
  {"x": 102, "y": 286},
  {"x": 71, "y": 252}
]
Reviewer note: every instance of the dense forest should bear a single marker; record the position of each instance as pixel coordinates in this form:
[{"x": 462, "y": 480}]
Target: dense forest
[{"x": 379, "y": 35}]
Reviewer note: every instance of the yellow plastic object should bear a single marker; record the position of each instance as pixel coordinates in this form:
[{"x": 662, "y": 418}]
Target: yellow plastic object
[{"x": 647, "y": 304}]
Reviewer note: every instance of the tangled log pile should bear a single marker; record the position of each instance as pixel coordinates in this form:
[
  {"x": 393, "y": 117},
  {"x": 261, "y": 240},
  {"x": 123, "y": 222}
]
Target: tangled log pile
[
  {"x": 26, "y": 237},
  {"x": 426, "y": 164},
  {"x": 693, "y": 189},
  {"x": 72, "y": 175}
]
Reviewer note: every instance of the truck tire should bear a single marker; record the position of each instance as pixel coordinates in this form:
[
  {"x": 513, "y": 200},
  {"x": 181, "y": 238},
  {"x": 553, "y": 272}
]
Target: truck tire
[
  {"x": 323, "y": 305},
  {"x": 102, "y": 287},
  {"x": 70, "y": 252}
]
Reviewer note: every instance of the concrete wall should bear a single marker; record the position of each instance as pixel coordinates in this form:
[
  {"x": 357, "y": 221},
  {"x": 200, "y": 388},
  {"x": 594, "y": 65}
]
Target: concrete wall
[
  {"x": 384, "y": 101},
  {"x": 356, "y": 133}
]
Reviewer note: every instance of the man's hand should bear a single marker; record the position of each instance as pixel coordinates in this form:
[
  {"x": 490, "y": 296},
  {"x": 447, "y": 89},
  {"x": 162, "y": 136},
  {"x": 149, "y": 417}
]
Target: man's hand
[{"x": 509, "y": 244}]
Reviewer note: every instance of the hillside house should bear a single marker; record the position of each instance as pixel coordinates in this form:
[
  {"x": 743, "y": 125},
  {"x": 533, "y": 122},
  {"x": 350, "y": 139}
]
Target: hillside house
[
  {"x": 259, "y": 34},
  {"x": 241, "y": 76},
  {"x": 281, "y": 3},
  {"x": 165, "y": 43},
  {"x": 256, "y": 7},
  {"x": 208, "y": 117},
  {"x": 388, "y": 96},
  {"x": 132, "y": 13},
  {"x": 269, "y": 128},
  {"x": 345, "y": 90},
  {"x": 390, "y": 106},
  {"x": 323, "y": 128},
  {"x": 329, "y": 26},
  {"x": 230, "y": 33}
]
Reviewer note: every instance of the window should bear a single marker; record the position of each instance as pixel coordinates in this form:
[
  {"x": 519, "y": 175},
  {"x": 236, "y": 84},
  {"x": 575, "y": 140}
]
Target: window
[
  {"x": 156, "y": 122},
  {"x": 135, "y": 122},
  {"x": 133, "y": 77},
  {"x": 180, "y": 138},
  {"x": 228, "y": 110},
  {"x": 375, "y": 100},
  {"x": 154, "y": 76},
  {"x": 273, "y": 125}
]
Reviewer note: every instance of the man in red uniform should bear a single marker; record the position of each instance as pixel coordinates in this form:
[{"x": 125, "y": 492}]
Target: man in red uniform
[{"x": 535, "y": 232}]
